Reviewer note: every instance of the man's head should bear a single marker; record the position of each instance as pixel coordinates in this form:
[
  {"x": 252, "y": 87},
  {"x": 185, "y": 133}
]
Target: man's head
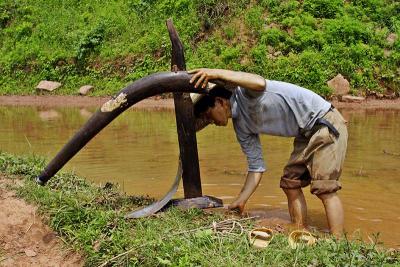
[{"x": 215, "y": 106}]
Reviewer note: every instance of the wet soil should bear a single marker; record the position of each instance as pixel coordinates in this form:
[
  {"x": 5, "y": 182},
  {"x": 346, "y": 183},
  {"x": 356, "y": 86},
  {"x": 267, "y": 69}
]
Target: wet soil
[
  {"x": 156, "y": 102},
  {"x": 78, "y": 101},
  {"x": 24, "y": 238}
]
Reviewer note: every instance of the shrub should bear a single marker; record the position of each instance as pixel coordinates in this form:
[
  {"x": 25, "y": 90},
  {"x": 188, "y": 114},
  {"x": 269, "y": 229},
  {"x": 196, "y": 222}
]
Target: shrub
[
  {"x": 323, "y": 8},
  {"x": 231, "y": 55},
  {"x": 230, "y": 32},
  {"x": 273, "y": 37},
  {"x": 6, "y": 11},
  {"x": 23, "y": 30},
  {"x": 254, "y": 19},
  {"x": 347, "y": 30},
  {"x": 259, "y": 56},
  {"x": 140, "y": 7},
  {"x": 90, "y": 42},
  {"x": 305, "y": 37}
]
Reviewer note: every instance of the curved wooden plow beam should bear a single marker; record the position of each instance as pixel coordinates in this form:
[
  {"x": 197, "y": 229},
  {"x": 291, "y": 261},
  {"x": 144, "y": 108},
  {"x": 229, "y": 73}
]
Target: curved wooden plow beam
[{"x": 151, "y": 85}]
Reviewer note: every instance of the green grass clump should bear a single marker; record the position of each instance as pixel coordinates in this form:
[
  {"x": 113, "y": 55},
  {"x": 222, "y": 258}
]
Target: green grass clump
[
  {"x": 91, "y": 220},
  {"x": 109, "y": 46}
]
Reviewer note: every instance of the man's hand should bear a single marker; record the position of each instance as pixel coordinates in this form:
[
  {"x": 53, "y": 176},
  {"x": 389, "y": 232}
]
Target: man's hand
[
  {"x": 252, "y": 181},
  {"x": 246, "y": 80},
  {"x": 203, "y": 75},
  {"x": 237, "y": 206}
]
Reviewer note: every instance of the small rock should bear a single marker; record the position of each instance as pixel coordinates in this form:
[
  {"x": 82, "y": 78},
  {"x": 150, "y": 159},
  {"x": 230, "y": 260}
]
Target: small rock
[
  {"x": 277, "y": 53},
  {"x": 48, "y": 85},
  {"x": 352, "y": 99},
  {"x": 339, "y": 85},
  {"x": 391, "y": 38},
  {"x": 84, "y": 90},
  {"x": 30, "y": 252}
]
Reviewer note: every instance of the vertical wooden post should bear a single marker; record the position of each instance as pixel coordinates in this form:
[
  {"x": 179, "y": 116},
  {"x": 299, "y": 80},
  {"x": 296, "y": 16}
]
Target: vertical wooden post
[{"x": 185, "y": 123}]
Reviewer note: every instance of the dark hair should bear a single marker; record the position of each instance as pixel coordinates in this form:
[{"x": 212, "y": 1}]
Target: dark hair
[{"x": 208, "y": 100}]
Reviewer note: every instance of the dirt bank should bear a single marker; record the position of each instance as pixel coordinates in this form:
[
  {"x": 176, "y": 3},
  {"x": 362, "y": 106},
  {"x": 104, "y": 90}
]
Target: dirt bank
[
  {"x": 24, "y": 239},
  {"x": 156, "y": 103},
  {"x": 370, "y": 104},
  {"x": 78, "y": 101}
]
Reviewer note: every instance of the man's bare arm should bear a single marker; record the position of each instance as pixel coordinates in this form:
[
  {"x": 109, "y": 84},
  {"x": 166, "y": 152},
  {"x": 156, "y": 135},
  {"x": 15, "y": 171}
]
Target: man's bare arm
[
  {"x": 246, "y": 80},
  {"x": 252, "y": 181}
]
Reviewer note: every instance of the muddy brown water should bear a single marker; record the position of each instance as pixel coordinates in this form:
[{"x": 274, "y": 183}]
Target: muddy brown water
[{"x": 139, "y": 151}]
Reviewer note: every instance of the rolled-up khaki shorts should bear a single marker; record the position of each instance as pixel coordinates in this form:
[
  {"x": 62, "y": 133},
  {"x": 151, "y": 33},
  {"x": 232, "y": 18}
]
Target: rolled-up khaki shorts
[{"x": 318, "y": 159}]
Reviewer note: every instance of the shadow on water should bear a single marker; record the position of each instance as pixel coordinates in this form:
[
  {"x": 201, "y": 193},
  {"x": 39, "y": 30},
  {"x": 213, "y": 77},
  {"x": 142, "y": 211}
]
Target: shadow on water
[{"x": 139, "y": 150}]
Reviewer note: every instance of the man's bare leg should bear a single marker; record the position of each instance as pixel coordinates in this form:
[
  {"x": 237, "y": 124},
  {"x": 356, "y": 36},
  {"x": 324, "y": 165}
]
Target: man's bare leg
[
  {"x": 297, "y": 206},
  {"x": 334, "y": 212}
]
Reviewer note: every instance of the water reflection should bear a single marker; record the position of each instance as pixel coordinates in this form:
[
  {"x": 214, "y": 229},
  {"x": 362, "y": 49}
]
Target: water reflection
[{"x": 139, "y": 150}]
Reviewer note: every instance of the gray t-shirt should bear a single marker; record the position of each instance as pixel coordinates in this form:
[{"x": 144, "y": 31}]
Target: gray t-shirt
[{"x": 282, "y": 109}]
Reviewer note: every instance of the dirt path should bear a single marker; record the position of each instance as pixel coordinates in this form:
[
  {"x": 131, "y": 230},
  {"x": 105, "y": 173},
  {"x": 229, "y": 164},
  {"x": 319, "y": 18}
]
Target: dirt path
[
  {"x": 156, "y": 103},
  {"x": 369, "y": 104},
  {"x": 78, "y": 101},
  {"x": 24, "y": 239}
]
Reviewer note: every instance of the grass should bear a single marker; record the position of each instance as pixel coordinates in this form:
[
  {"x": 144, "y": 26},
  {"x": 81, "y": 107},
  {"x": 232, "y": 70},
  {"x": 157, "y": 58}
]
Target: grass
[
  {"x": 304, "y": 42},
  {"x": 91, "y": 220}
]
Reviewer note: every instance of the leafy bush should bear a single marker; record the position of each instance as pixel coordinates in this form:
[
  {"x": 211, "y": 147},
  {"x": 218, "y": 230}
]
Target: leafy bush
[
  {"x": 273, "y": 37},
  {"x": 231, "y": 55},
  {"x": 254, "y": 19},
  {"x": 6, "y": 11},
  {"x": 305, "y": 37},
  {"x": 347, "y": 30},
  {"x": 140, "y": 7},
  {"x": 90, "y": 42},
  {"x": 323, "y": 8}
]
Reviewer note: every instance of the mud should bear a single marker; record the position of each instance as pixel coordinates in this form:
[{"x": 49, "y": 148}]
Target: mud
[
  {"x": 79, "y": 101},
  {"x": 24, "y": 239}
]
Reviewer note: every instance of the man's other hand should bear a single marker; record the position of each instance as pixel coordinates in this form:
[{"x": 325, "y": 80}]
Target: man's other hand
[{"x": 237, "y": 206}]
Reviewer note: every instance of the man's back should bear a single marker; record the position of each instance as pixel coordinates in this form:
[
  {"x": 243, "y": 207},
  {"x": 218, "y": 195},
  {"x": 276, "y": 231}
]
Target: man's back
[{"x": 282, "y": 109}]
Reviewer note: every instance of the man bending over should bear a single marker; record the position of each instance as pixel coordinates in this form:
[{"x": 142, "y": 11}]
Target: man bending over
[{"x": 259, "y": 106}]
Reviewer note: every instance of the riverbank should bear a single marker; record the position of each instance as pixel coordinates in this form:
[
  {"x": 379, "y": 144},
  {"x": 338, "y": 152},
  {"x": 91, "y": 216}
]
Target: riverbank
[
  {"x": 52, "y": 101},
  {"x": 90, "y": 220},
  {"x": 25, "y": 240}
]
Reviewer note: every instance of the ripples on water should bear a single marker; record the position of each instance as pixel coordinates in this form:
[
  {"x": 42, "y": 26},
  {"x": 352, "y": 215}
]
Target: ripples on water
[{"x": 139, "y": 151}]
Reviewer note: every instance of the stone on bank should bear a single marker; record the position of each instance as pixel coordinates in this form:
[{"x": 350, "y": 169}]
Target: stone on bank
[
  {"x": 84, "y": 90},
  {"x": 48, "y": 86}
]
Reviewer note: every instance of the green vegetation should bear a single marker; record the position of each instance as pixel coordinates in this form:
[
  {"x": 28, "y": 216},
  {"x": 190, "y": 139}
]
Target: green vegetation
[
  {"x": 90, "y": 219},
  {"x": 109, "y": 45}
]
